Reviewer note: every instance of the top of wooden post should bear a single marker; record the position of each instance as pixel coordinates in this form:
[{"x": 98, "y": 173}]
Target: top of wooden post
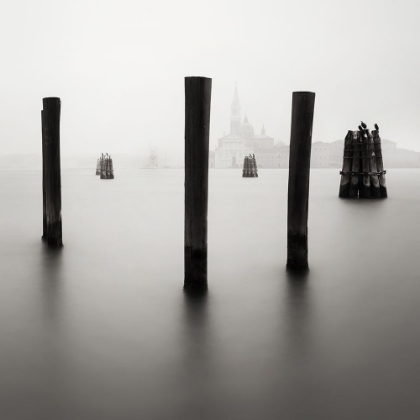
[
  {"x": 197, "y": 77},
  {"x": 302, "y": 92},
  {"x": 49, "y": 102}
]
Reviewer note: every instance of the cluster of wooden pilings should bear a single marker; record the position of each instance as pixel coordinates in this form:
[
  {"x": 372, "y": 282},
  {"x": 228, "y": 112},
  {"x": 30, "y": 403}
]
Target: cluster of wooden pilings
[
  {"x": 250, "y": 167},
  {"x": 197, "y": 124},
  {"x": 104, "y": 167},
  {"x": 363, "y": 173}
]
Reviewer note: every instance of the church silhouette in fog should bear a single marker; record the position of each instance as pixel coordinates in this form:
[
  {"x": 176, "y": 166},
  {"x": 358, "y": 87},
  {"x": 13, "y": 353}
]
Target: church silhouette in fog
[{"x": 241, "y": 141}]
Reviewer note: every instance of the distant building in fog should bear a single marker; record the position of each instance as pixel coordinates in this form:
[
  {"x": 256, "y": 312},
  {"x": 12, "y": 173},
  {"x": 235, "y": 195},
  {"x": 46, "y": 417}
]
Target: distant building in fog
[
  {"x": 320, "y": 155},
  {"x": 153, "y": 160},
  {"x": 242, "y": 141},
  {"x": 211, "y": 159}
]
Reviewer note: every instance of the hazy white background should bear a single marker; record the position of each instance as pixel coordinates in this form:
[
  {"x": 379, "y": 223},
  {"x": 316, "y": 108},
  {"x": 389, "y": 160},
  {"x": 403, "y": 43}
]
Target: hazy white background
[{"x": 118, "y": 67}]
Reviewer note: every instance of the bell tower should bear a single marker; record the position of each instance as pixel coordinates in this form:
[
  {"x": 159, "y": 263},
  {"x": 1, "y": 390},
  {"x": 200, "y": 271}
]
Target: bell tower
[{"x": 235, "y": 113}]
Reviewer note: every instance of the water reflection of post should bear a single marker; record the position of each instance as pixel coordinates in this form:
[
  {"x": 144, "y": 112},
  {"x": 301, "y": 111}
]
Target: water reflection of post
[
  {"x": 51, "y": 276},
  {"x": 298, "y": 312},
  {"x": 54, "y": 375},
  {"x": 198, "y": 373},
  {"x": 195, "y": 311}
]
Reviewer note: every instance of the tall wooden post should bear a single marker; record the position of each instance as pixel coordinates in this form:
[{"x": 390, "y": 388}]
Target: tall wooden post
[
  {"x": 355, "y": 168},
  {"x": 365, "y": 185},
  {"x": 374, "y": 180},
  {"x": 197, "y": 124},
  {"x": 44, "y": 192},
  {"x": 51, "y": 170},
  {"x": 347, "y": 162},
  {"x": 298, "y": 190},
  {"x": 379, "y": 163}
]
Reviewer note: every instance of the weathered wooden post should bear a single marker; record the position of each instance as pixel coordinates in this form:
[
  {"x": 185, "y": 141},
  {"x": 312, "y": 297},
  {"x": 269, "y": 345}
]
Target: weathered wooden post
[
  {"x": 347, "y": 163},
  {"x": 51, "y": 170},
  {"x": 98, "y": 167},
  {"x": 197, "y": 125},
  {"x": 379, "y": 163},
  {"x": 374, "y": 180},
  {"x": 44, "y": 183},
  {"x": 365, "y": 185},
  {"x": 111, "y": 168},
  {"x": 355, "y": 167},
  {"x": 298, "y": 189},
  {"x": 103, "y": 167},
  {"x": 245, "y": 169},
  {"x": 254, "y": 167}
]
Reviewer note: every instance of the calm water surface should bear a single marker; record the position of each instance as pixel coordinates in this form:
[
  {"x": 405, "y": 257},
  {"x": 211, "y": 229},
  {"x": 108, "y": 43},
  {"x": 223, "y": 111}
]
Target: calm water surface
[{"x": 102, "y": 329}]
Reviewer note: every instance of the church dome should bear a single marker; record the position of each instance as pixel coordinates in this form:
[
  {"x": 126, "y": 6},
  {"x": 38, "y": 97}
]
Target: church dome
[{"x": 246, "y": 129}]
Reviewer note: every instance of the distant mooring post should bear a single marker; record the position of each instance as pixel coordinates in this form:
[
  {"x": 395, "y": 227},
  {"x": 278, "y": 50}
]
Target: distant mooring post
[
  {"x": 51, "y": 172},
  {"x": 106, "y": 167},
  {"x": 197, "y": 125},
  {"x": 250, "y": 167},
  {"x": 298, "y": 190}
]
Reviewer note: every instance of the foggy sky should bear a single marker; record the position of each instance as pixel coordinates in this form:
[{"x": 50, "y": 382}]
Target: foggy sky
[{"x": 119, "y": 68}]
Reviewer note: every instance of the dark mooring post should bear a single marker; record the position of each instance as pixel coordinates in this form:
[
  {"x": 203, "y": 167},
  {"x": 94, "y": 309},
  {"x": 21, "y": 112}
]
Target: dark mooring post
[
  {"x": 51, "y": 170},
  {"x": 245, "y": 169},
  {"x": 356, "y": 163},
  {"x": 379, "y": 163},
  {"x": 347, "y": 163},
  {"x": 374, "y": 180},
  {"x": 44, "y": 192},
  {"x": 364, "y": 191},
  {"x": 197, "y": 124},
  {"x": 298, "y": 191}
]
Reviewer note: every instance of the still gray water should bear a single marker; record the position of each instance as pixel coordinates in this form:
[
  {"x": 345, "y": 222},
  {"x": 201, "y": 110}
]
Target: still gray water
[{"x": 103, "y": 330}]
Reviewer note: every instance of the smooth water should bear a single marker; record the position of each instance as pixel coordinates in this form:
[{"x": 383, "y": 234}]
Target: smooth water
[{"x": 103, "y": 330}]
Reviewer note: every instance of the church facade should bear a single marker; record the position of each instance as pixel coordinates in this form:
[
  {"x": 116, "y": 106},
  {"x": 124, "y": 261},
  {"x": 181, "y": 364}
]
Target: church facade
[{"x": 241, "y": 141}]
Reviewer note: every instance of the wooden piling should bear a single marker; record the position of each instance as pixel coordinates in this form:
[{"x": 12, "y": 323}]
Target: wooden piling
[
  {"x": 379, "y": 163},
  {"x": 197, "y": 124},
  {"x": 355, "y": 168},
  {"x": 44, "y": 192},
  {"x": 103, "y": 167},
  {"x": 365, "y": 185},
  {"x": 245, "y": 169},
  {"x": 254, "y": 167},
  {"x": 347, "y": 163},
  {"x": 298, "y": 189},
  {"x": 111, "y": 169},
  {"x": 374, "y": 180},
  {"x": 51, "y": 170}
]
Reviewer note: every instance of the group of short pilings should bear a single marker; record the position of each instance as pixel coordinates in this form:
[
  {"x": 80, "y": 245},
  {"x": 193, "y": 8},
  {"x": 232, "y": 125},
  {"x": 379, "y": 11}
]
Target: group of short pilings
[
  {"x": 250, "y": 169},
  {"x": 197, "y": 123},
  {"x": 363, "y": 173},
  {"x": 105, "y": 167}
]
